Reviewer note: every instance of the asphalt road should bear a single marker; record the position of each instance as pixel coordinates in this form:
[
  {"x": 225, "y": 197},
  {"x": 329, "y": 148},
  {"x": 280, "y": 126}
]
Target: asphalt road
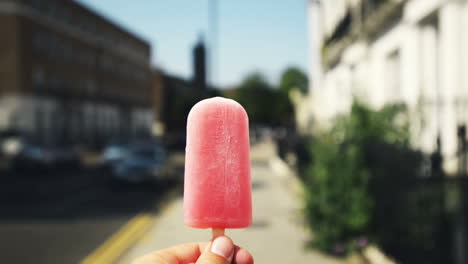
[{"x": 63, "y": 216}]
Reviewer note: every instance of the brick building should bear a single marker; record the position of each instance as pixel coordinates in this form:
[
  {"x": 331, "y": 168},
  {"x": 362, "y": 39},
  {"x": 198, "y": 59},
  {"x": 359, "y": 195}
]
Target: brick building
[{"x": 69, "y": 75}]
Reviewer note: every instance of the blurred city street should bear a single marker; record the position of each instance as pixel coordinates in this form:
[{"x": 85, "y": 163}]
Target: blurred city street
[
  {"x": 276, "y": 235},
  {"x": 356, "y": 112},
  {"x": 61, "y": 218}
]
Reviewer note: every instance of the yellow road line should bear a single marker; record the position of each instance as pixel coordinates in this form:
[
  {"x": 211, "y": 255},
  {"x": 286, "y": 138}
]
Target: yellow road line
[
  {"x": 118, "y": 243},
  {"x": 128, "y": 235}
]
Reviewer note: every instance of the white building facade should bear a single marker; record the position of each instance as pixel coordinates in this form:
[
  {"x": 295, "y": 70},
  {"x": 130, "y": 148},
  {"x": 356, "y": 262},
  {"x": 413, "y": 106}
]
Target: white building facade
[{"x": 385, "y": 51}]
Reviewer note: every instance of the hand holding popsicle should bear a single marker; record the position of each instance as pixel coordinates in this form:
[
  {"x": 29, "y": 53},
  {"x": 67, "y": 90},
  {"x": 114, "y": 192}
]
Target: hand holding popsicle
[{"x": 220, "y": 251}]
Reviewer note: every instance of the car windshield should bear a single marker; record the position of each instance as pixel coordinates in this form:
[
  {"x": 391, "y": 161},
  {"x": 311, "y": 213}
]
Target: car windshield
[
  {"x": 148, "y": 152},
  {"x": 144, "y": 153},
  {"x": 114, "y": 149},
  {"x": 33, "y": 152}
]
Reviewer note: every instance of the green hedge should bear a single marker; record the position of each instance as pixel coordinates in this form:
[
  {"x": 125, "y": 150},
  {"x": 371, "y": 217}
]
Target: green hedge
[{"x": 339, "y": 207}]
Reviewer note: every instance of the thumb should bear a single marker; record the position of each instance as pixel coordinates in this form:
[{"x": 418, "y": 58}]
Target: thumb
[{"x": 219, "y": 251}]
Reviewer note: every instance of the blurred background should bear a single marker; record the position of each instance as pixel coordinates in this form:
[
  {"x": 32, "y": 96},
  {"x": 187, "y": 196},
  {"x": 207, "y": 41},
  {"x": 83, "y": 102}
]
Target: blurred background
[{"x": 358, "y": 112}]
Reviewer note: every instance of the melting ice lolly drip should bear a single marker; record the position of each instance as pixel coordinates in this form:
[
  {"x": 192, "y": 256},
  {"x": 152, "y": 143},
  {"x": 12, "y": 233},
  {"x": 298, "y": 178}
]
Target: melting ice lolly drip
[{"x": 217, "y": 191}]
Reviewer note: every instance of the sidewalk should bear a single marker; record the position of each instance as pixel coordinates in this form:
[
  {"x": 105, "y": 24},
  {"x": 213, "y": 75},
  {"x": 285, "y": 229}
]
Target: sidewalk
[{"x": 274, "y": 237}]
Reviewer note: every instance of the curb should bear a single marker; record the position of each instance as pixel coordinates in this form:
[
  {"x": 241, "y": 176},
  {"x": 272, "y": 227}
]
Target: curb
[{"x": 283, "y": 170}]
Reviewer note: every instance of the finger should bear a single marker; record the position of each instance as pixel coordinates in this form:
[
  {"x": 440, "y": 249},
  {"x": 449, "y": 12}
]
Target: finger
[
  {"x": 220, "y": 251},
  {"x": 243, "y": 256},
  {"x": 183, "y": 254}
]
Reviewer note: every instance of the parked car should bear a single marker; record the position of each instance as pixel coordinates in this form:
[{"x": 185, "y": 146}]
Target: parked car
[
  {"x": 113, "y": 154},
  {"x": 32, "y": 157},
  {"x": 142, "y": 163},
  {"x": 22, "y": 155}
]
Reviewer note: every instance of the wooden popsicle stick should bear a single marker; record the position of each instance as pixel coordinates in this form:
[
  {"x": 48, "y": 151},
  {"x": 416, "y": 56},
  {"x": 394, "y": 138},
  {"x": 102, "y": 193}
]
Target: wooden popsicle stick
[{"x": 217, "y": 232}]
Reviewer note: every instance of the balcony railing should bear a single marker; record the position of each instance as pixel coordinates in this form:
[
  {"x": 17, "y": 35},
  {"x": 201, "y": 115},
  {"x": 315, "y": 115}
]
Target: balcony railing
[
  {"x": 369, "y": 6},
  {"x": 364, "y": 22}
]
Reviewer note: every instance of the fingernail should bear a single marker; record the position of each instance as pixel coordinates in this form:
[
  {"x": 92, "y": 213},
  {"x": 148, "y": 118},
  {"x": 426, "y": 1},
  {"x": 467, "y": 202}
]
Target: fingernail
[{"x": 223, "y": 246}]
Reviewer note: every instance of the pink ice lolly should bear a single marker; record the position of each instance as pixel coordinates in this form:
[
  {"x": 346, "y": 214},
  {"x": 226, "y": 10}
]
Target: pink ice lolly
[{"x": 217, "y": 192}]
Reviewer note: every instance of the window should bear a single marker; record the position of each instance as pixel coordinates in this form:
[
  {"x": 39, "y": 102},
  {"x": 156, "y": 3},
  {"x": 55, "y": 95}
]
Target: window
[
  {"x": 393, "y": 80},
  {"x": 429, "y": 58},
  {"x": 38, "y": 78},
  {"x": 90, "y": 86},
  {"x": 38, "y": 5}
]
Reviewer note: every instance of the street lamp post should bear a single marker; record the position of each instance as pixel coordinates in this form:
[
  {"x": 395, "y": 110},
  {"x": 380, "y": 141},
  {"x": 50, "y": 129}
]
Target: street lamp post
[{"x": 214, "y": 41}]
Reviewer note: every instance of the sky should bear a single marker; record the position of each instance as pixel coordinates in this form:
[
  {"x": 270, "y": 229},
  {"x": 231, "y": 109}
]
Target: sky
[{"x": 265, "y": 36}]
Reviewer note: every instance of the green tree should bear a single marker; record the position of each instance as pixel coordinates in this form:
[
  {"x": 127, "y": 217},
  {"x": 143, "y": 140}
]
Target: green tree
[
  {"x": 258, "y": 98},
  {"x": 268, "y": 104},
  {"x": 293, "y": 78}
]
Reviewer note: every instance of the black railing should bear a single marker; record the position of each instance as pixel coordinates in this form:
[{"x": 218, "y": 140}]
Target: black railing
[
  {"x": 343, "y": 29},
  {"x": 369, "y": 6}
]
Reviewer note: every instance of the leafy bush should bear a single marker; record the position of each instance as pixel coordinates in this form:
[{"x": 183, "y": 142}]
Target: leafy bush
[{"x": 339, "y": 205}]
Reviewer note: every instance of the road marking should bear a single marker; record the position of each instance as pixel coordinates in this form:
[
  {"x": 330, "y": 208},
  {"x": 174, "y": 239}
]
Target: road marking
[
  {"x": 128, "y": 235},
  {"x": 119, "y": 242}
]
